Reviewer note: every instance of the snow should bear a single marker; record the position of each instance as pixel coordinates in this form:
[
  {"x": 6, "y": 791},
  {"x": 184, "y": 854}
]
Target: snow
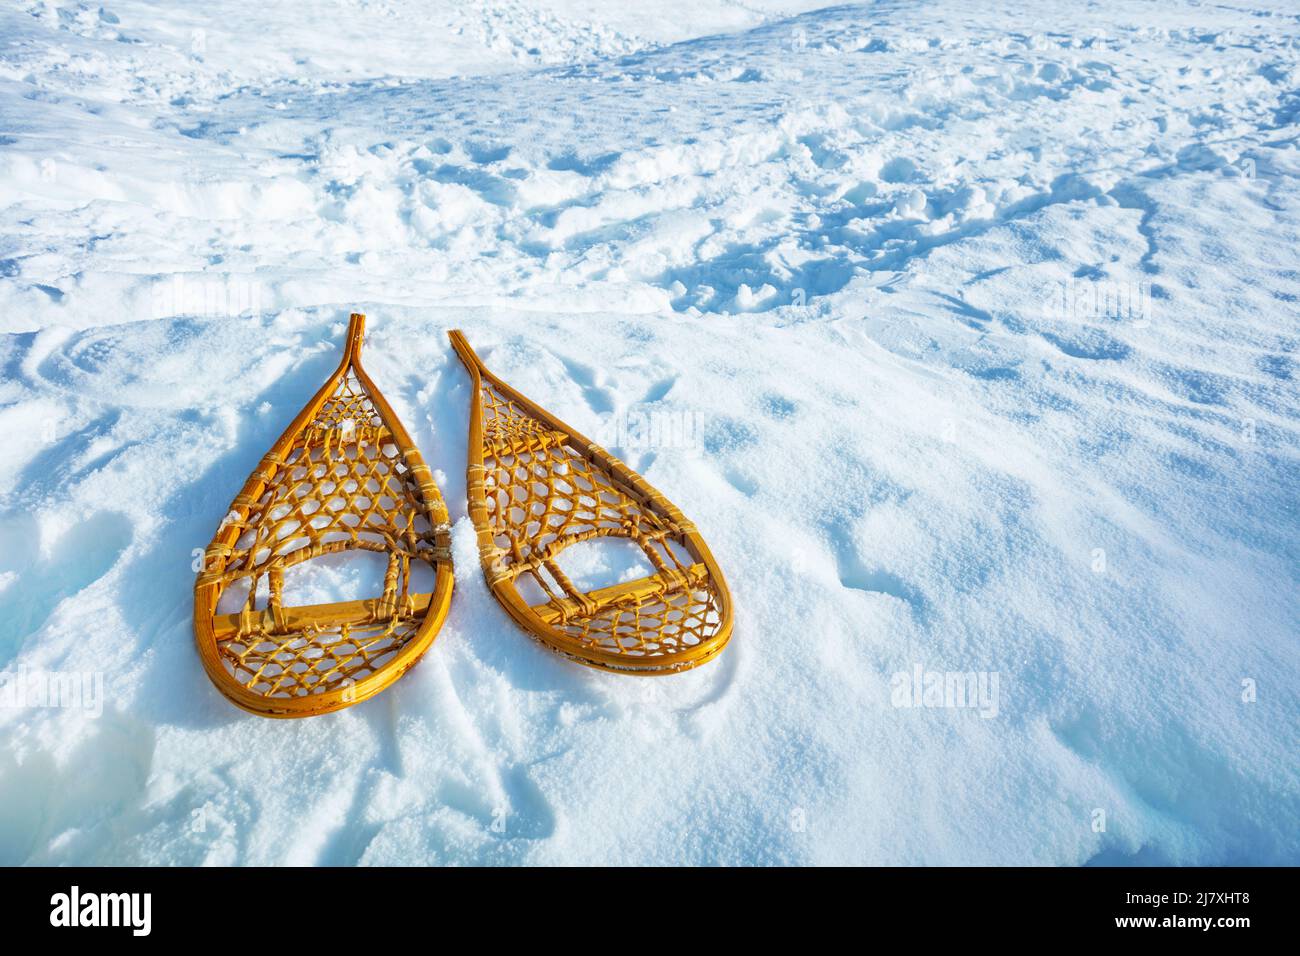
[{"x": 965, "y": 333}]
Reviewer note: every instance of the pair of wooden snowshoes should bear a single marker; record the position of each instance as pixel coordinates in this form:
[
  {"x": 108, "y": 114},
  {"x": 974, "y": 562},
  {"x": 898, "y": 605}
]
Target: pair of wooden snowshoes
[{"x": 345, "y": 476}]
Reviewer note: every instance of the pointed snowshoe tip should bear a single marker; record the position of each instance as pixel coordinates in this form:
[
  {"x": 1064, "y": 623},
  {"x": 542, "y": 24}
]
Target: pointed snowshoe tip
[
  {"x": 536, "y": 487},
  {"x": 343, "y": 477}
]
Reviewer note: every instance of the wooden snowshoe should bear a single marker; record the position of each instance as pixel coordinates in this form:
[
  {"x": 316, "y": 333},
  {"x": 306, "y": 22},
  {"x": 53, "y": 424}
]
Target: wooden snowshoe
[
  {"x": 344, "y": 476},
  {"x": 535, "y": 487}
]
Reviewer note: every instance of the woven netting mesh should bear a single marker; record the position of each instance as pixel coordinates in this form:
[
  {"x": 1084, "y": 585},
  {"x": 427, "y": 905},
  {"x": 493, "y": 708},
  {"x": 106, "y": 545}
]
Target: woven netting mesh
[
  {"x": 543, "y": 495},
  {"x": 343, "y": 485}
]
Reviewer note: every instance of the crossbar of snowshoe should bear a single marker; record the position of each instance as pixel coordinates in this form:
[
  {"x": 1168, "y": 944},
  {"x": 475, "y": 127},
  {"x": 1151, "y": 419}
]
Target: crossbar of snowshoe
[
  {"x": 317, "y": 617},
  {"x": 536, "y": 442},
  {"x": 629, "y": 592}
]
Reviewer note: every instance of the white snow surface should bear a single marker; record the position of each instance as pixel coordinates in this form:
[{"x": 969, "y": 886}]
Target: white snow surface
[{"x": 864, "y": 258}]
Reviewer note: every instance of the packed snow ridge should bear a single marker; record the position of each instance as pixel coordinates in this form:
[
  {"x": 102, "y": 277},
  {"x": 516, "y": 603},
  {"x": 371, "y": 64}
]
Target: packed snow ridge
[{"x": 966, "y": 336}]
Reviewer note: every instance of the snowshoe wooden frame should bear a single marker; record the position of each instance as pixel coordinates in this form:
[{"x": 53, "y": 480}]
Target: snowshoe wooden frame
[
  {"x": 535, "y": 487},
  {"x": 343, "y": 476}
]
